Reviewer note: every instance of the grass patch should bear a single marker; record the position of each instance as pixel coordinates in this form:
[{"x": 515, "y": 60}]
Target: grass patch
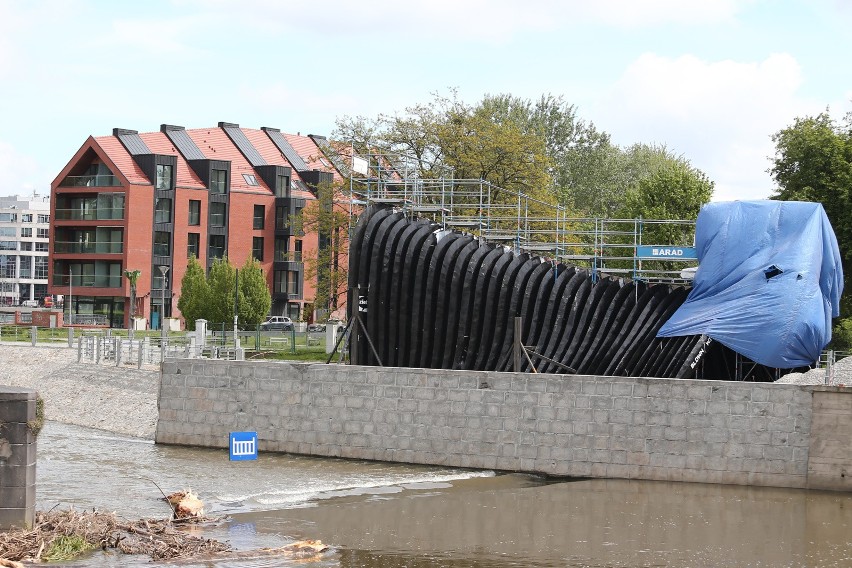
[
  {"x": 66, "y": 548},
  {"x": 310, "y": 355}
]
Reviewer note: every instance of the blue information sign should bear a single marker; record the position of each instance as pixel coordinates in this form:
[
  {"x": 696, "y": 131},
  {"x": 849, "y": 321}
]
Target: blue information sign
[
  {"x": 243, "y": 446},
  {"x": 664, "y": 252}
]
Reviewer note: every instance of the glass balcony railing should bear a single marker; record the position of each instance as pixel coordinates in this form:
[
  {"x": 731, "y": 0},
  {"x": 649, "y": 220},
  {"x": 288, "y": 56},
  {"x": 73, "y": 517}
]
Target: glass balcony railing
[
  {"x": 98, "y": 247},
  {"x": 91, "y": 181},
  {"x": 101, "y": 214},
  {"x": 88, "y": 280},
  {"x": 288, "y": 257}
]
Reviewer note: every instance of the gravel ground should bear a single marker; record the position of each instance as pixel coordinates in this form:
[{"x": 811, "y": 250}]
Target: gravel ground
[
  {"x": 841, "y": 375},
  {"x": 119, "y": 400}
]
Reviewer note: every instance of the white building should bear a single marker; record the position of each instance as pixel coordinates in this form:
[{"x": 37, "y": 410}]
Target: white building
[{"x": 24, "y": 233}]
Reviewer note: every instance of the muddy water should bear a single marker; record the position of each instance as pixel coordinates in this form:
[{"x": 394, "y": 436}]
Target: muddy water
[{"x": 394, "y": 516}]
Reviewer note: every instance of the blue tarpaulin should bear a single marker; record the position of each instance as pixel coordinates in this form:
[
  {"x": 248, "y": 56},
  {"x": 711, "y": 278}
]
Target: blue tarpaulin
[{"x": 768, "y": 282}]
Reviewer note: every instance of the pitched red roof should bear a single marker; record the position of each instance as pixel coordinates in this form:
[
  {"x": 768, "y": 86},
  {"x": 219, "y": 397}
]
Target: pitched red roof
[
  {"x": 122, "y": 159},
  {"x": 215, "y": 145},
  {"x": 311, "y": 153},
  {"x": 185, "y": 176}
]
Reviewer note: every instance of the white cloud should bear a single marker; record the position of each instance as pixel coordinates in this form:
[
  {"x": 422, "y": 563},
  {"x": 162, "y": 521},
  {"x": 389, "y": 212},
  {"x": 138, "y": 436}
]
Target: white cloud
[{"x": 718, "y": 114}]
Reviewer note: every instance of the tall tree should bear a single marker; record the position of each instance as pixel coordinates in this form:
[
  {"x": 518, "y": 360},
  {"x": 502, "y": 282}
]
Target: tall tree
[
  {"x": 255, "y": 299},
  {"x": 194, "y": 295},
  {"x": 222, "y": 281},
  {"x": 328, "y": 216},
  {"x": 813, "y": 162}
]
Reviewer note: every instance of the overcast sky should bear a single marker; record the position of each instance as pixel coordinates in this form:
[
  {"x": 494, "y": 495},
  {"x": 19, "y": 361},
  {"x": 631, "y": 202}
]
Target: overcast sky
[{"x": 710, "y": 79}]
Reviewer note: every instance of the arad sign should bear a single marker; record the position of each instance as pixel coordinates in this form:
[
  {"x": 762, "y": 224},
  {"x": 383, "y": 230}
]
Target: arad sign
[{"x": 658, "y": 252}]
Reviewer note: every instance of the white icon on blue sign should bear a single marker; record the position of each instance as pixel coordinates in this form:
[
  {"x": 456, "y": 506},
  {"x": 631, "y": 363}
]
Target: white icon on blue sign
[{"x": 243, "y": 446}]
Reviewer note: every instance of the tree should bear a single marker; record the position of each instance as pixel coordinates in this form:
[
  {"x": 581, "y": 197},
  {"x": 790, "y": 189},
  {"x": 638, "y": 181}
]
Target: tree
[
  {"x": 133, "y": 278},
  {"x": 661, "y": 185},
  {"x": 813, "y": 162},
  {"x": 194, "y": 295},
  {"x": 255, "y": 299},
  {"x": 222, "y": 281},
  {"x": 328, "y": 265}
]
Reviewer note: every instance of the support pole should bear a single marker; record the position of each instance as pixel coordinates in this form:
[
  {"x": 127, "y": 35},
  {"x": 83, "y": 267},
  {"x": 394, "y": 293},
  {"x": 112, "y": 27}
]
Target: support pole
[{"x": 519, "y": 347}]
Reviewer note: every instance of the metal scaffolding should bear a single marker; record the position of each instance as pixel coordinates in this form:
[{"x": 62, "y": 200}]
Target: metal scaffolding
[{"x": 520, "y": 222}]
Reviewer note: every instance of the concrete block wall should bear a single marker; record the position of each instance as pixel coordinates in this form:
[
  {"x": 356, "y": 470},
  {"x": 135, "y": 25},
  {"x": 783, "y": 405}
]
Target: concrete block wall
[
  {"x": 617, "y": 427},
  {"x": 17, "y": 457}
]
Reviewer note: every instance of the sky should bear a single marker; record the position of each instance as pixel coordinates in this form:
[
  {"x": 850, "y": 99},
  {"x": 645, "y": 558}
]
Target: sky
[{"x": 712, "y": 80}]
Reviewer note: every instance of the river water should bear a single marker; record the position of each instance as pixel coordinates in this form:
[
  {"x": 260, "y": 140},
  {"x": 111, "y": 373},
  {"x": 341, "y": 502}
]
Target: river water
[{"x": 378, "y": 515}]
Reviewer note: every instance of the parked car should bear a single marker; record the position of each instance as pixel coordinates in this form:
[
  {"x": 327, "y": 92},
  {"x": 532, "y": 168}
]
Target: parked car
[
  {"x": 277, "y": 323},
  {"x": 316, "y": 327}
]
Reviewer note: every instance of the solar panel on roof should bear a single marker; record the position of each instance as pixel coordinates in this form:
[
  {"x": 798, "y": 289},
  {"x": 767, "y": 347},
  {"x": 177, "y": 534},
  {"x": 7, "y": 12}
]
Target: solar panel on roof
[
  {"x": 134, "y": 144},
  {"x": 184, "y": 144},
  {"x": 239, "y": 139},
  {"x": 289, "y": 152}
]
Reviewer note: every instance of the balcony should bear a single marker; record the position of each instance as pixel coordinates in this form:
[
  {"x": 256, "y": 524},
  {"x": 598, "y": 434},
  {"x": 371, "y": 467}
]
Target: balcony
[
  {"x": 88, "y": 281},
  {"x": 101, "y": 214},
  {"x": 91, "y": 181},
  {"x": 91, "y": 247}
]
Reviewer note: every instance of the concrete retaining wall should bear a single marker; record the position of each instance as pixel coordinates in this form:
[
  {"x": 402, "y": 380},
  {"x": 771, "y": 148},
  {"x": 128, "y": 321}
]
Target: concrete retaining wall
[
  {"x": 17, "y": 457},
  {"x": 664, "y": 429}
]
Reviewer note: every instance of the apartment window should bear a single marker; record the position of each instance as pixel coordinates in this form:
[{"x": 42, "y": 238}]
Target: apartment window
[
  {"x": 218, "y": 181},
  {"x": 164, "y": 176},
  {"x": 217, "y": 214},
  {"x": 282, "y": 219},
  {"x": 7, "y": 266},
  {"x": 26, "y": 218},
  {"x": 259, "y": 215},
  {"x": 8, "y": 217},
  {"x": 41, "y": 247},
  {"x": 26, "y": 268},
  {"x": 8, "y": 231},
  {"x": 279, "y": 282},
  {"x": 280, "y": 248},
  {"x": 282, "y": 189},
  {"x": 26, "y": 245},
  {"x": 250, "y": 179},
  {"x": 297, "y": 251},
  {"x": 44, "y": 218},
  {"x": 257, "y": 248},
  {"x": 161, "y": 243},
  {"x": 26, "y": 232},
  {"x": 9, "y": 245},
  {"x": 193, "y": 243},
  {"x": 217, "y": 246},
  {"x": 40, "y": 268},
  {"x": 293, "y": 283},
  {"x": 163, "y": 210},
  {"x": 42, "y": 233},
  {"x": 194, "y": 212}
]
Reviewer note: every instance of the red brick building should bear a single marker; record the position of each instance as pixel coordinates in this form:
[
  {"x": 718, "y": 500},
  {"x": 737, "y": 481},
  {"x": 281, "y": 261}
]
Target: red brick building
[{"x": 134, "y": 201}]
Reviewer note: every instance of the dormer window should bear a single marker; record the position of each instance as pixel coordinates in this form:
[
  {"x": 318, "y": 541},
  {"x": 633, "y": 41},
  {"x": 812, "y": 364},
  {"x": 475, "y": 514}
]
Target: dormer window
[
  {"x": 164, "y": 176},
  {"x": 250, "y": 179},
  {"x": 218, "y": 181}
]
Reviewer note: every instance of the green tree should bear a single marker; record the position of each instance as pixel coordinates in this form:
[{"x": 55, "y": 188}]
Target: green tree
[
  {"x": 328, "y": 265},
  {"x": 221, "y": 281},
  {"x": 255, "y": 299},
  {"x": 194, "y": 294},
  {"x": 661, "y": 185},
  {"x": 813, "y": 162}
]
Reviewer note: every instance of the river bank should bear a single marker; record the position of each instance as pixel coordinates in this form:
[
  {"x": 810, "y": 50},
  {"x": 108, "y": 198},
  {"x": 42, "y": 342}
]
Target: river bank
[{"x": 122, "y": 400}]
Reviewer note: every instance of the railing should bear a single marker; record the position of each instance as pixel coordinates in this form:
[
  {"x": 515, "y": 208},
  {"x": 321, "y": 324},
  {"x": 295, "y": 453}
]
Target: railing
[
  {"x": 97, "y": 214},
  {"x": 91, "y": 247},
  {"x": 91, "y": 181},
  {"x": 88, "y": 281}
]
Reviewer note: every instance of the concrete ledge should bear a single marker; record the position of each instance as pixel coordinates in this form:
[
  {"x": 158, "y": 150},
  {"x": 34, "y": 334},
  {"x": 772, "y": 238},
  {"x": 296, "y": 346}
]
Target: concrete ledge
[{"x": 17, "y": 457}]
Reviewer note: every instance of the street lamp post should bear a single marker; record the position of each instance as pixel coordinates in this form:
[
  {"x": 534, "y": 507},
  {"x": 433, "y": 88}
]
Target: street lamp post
[
  {"x": 70, "y": 296},
  {"x": 164, "y": 270}
]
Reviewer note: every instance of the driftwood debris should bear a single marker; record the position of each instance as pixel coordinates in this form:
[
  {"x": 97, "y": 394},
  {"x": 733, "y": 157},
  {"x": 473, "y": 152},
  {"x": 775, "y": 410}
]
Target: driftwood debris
[
  {"x": 186, "y": 505},
  {"x": 157, "y": 538}
]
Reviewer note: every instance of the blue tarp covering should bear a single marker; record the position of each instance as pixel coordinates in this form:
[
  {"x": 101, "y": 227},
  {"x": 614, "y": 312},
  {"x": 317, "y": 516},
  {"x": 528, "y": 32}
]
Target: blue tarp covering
[{"x": 768, "y": 282}]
